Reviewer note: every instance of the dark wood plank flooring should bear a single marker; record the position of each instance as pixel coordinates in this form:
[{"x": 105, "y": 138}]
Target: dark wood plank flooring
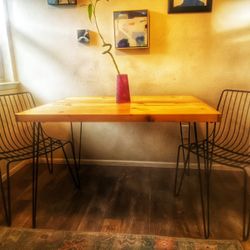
[{"x": 128, "y": 200}]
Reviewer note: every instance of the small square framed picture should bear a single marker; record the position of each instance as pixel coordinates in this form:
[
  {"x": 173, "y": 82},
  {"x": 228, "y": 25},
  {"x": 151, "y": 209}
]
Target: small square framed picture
[
  {"x": 131, "y": 29},
  {"x": 185, "y": 6},
  {"x": 62, "y": 2}
]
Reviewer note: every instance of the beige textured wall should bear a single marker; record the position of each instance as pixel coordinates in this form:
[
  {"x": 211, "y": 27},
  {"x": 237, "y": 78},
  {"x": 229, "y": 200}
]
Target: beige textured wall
[{"x": 198, "y": 54}]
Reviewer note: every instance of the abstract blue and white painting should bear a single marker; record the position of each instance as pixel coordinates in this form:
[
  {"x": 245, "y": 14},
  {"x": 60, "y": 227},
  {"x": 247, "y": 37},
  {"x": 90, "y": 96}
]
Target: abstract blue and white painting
[{"x": 131, "y": 29}]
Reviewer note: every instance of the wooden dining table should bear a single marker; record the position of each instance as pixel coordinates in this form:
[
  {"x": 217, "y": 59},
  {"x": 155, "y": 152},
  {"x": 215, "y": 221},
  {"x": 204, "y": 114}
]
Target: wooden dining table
[
  {"x": 140, "y": 109},
  {"x": 170, "y": 108}
]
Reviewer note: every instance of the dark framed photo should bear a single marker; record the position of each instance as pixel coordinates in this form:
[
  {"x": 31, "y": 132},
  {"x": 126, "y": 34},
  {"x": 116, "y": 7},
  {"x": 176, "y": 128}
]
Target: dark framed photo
[
  {"x": 131, "y": 29},
  {"x": 184, "y": 6},
  {"x": 62, "y": 2}
]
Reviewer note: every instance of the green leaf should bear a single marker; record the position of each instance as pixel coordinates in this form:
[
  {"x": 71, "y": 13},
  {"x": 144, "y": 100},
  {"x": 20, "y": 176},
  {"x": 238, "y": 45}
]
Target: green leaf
[{"x": 90, "y": 11}]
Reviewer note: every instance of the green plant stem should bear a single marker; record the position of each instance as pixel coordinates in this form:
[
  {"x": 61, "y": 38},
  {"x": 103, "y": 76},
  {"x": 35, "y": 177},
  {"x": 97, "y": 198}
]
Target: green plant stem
[{"x": 103, "y": 41}]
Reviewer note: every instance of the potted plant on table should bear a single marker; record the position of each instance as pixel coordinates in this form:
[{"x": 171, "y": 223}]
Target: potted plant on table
[{"x": 122, "y": 87}]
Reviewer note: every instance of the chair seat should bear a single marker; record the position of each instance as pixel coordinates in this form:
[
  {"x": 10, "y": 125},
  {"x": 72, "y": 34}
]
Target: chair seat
[
  {"x": 222, "y": 155},
  {"x": 26, "y": 151}
]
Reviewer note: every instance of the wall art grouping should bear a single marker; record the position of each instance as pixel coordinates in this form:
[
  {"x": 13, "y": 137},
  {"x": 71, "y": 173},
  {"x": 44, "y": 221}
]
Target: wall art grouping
[{"x": 131, "y": 27}]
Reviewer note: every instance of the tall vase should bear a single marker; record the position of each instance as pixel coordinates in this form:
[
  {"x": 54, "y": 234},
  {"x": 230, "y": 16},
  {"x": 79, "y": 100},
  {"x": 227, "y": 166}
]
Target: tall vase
[{"x": 122, "y": 89}]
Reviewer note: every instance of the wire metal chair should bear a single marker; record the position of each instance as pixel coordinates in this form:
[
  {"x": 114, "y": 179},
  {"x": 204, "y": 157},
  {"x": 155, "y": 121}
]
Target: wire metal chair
[
  {"x": 16, "y": 142},
  {"x": 228, "y": 144}
]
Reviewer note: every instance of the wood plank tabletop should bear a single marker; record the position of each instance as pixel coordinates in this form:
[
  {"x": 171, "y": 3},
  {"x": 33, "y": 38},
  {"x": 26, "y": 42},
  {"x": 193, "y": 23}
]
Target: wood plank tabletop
[{"x": 105, "y": 109}]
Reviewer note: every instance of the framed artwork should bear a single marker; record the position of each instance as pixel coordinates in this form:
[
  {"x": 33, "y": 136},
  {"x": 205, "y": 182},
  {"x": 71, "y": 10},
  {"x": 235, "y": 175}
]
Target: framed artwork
[
  {"x": 83, "y": 36},
  {"x": 131, "y": 29},
  {"x": 62, "y": 2},
  {"x": 183, "y": 6}
]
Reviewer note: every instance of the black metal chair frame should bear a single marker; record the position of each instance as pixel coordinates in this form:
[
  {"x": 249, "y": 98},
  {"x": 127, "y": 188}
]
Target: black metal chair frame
[
  {"x": 17, "y": 143},
  {"x": 228, "y": 144}
]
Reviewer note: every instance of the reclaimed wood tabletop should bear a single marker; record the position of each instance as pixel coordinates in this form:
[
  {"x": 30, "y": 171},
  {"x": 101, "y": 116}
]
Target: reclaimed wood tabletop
[{"x": 172, "y": 108}]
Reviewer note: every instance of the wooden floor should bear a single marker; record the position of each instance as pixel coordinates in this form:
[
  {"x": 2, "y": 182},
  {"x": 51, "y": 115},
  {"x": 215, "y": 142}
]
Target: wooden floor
[{"x": 128, "y": 200}]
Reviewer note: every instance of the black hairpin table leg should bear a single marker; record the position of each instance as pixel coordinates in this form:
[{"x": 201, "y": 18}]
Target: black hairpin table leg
[
  {"x": 77, "y": 163},
  {"x": 36, "y": 135},
  {"x": 204, "y": 190}
]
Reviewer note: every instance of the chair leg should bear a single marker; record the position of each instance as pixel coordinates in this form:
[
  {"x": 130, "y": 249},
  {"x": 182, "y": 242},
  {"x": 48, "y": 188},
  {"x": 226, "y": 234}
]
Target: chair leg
[
  {"x": 8, "y": 195},
  {"x": 4, "y": 199},
  {"x": 246, "y": 212},
  {"x": 248, "y": 226}
]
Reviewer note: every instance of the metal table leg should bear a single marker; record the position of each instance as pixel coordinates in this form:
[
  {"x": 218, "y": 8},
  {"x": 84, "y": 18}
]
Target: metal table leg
[
  {"x": 204, "y": 191},
  {"x": 76, "y": 162},
  {"x": 35, "y": 163},
  {"x": 74, "y": 145}
]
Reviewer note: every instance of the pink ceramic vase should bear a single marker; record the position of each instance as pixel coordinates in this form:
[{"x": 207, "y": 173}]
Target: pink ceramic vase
[{"x": 122, "y": 89}]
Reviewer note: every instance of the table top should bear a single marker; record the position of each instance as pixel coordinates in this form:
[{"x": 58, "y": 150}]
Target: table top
[{"x": 105, "y": 109}]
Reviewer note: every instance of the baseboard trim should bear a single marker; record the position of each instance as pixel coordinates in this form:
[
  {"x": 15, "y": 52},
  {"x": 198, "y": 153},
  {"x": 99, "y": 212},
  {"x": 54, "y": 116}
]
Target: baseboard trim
[
  {"x": 125, "y": 163},
  {"x": 147, "y": 164},
  {"x": 112, "y": 163},
  {"x": 120, "y": 163}
]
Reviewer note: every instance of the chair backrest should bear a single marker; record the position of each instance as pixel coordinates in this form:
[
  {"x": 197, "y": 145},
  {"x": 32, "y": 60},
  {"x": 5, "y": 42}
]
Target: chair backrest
[
  {"x": 14, "y": 135},
  {"x": 233, "y": 132}
]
